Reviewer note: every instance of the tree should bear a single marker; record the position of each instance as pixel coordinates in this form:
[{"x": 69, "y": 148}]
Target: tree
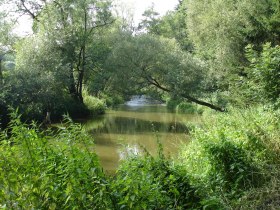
[
  {"x": 71, "y": 25},
  {"x": 171, "y": 25},
  {"x": 53, "y": 64},
  {"x": 6, "y": 41},
  {"x": 150, "y": 21},
  {"x": 263, "y": 79},
  {"x": 220, "y": 30},
  {"x": 38, "y": 83},
  {"x": 157, "y": 63}
]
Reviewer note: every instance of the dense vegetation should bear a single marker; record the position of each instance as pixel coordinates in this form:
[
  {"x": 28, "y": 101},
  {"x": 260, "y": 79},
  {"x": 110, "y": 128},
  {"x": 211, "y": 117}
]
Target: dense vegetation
[
  {"x": 82, "y": 57},
  {"x": 232, "y": 163}
]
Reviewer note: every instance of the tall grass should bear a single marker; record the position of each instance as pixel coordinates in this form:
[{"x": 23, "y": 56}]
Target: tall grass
[
  {"x": 232, "y": 162},
  {"x": 233, "y": 154},
  {"x": 147, "y": 182},
  {"x": 43, "y": 170}
]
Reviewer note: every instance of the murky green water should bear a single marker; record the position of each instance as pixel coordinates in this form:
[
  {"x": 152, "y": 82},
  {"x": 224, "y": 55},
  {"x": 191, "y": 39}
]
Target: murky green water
[{"x": 130, "y": 127}]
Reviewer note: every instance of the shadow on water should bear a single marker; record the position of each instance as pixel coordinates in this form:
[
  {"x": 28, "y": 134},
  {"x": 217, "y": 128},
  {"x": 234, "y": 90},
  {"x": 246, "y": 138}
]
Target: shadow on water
[{"x": 124, "y": 125}]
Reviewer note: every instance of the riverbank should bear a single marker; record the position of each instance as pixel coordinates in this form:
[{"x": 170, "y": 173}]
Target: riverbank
[{"x": 232, "y": 162}]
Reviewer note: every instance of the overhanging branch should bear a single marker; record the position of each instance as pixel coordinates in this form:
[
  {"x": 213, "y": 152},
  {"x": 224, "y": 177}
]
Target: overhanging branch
[{"x": 155, "y": 83}]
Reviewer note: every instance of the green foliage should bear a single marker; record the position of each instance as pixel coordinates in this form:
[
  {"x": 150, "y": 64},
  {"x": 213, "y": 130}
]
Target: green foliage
[
  {"x": 96, "y": 106},
  {"x": 264, "y": 74},
  {"x": 220, "y": 30},
  {"x": 112, "y": 101},
  {"x": 148, "y": 62},
  {"x": 234, "y": 153},
  {"x": 188, "y": 108},
  {"x": 180, "y": 106},
  {"x": 150, "y": 21},
  {"x": 37, "y": 84},
  {"x": 53, "y": 65},
  {"x": 153, "y": 183},
  {"x": 173, "y": 25},
  {"x": 172, "y": 103},
  {"x": 232, "y": 162},
  {"x": 50, "y": 171}
]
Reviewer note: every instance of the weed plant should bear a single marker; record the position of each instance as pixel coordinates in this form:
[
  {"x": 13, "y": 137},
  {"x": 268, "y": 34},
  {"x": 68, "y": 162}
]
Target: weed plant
[
  {"x": 42, "y": 170},
  {"x": 232, "y": 162},
  {"x": 95, "y": 105},
  {"x": 234, "y": 154},
  {"x": 147, "y": 182}
]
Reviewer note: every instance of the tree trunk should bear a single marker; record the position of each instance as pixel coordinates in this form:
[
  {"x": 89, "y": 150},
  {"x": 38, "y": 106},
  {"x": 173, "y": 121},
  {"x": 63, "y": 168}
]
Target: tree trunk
[
  {"x": 203, "y": 103},
  {"x": 155, "y": 83},
  {"x": 71, "y": 86},
  {"x": 1, "y": 73},
  {"x": 82, "y": 61},
  {"x": 81, "y": 76}
]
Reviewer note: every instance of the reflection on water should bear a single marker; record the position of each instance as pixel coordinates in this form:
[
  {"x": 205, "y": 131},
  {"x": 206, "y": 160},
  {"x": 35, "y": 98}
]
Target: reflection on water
[
  {"x": 125, "y": 130},
  {"x": 130, "y": 150},
  {"x": 126, "y": 125}
]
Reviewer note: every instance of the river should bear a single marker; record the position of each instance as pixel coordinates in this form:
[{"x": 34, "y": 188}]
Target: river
[{"x": 138, "y": 123}]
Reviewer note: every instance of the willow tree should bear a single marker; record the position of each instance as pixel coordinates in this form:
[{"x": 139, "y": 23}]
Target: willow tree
[
  {"x": 52, "y": 63},
  {"x": 71, "y": 25},
  {"x": 69, "y": 28},
  {"x": 152, "y": 62},
  {"x": 220, "y": 30},
  {"x": 6, "y": 41}
]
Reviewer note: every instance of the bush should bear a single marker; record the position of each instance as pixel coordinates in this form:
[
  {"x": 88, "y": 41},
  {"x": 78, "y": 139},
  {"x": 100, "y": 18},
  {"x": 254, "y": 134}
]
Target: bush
[
  {"x": 172, "y": 103},
  {"x": 181, "y": 106},
  {"x": 233, "y": 153},
  {"x": 96, "y": 106},
  {"x": 188, "y": 108},
  {"x": 112, "y": 101},
  {"x": 4, "y": 119},
  {"x": 264, "y": 74},
  {"x": 50, "y": 171},
  {"x": 153, "y": 183},
  {"x": 232, "y": 163}
]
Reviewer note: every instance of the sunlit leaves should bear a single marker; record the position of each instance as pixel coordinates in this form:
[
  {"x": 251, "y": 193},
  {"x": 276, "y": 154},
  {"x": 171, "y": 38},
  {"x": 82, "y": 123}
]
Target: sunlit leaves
[
  {"x": 264, "y": 73},
  {"x": 149, "y": 61}
]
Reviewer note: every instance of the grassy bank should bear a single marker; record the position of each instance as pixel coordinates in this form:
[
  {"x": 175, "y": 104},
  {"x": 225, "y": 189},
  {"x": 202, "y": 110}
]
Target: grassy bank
[
  {"x": 232, "y": 162},
  {"x": 235, "y": 158}
]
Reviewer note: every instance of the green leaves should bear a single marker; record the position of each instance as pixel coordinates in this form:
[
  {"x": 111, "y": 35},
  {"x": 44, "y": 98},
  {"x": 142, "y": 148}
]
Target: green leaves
[
  {"x": 232, "y": 154},
  {"x": 148, "y": 62},
  {"x": 44, "y": 170},
  {"x": 153, "y": 183},
  {"x": 264, "y": 73},
  {"x": 220, "y": 30}
]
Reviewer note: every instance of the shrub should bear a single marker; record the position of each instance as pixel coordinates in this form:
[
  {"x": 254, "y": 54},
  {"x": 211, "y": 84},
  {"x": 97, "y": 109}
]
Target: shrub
[
  {"x": 181, "y": 106},
  {"x": 233, "y": 153},
  {"x": 95, "y": 105},
  {"x": 50, "y": 171},
  {"x": 171, "y": 103},
  {"x": 112, "y": 101},
  {"x": 188, "y": 108},
  {"x": 264, "y": 73},
  {"x": 148, "y": 182}
]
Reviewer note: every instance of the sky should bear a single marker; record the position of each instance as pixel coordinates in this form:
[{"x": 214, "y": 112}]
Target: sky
[{"x": 137, "y": 7}]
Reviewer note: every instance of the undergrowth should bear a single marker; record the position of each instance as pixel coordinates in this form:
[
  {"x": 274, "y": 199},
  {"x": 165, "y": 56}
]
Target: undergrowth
[
  {"x": 43, "y": 170},
  {"x": 235, "y": 154},
  {"x": 147, "y": 182},
  {"x": 232, "y": 162}
]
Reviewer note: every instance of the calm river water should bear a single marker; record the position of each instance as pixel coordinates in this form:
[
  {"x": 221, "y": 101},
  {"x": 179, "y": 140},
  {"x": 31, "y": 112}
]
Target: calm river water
[{"x": 134, "y": 125}]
